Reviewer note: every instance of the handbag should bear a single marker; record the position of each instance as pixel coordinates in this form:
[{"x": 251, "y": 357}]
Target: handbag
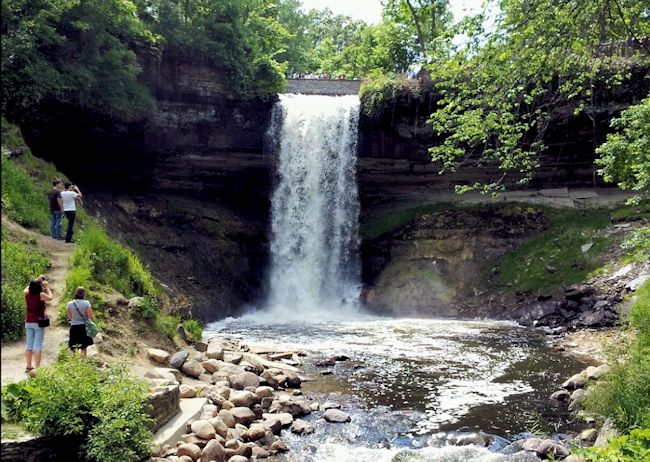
[
  {"x": 44, "y": 322},
  {"x": 91, "y": 327}
]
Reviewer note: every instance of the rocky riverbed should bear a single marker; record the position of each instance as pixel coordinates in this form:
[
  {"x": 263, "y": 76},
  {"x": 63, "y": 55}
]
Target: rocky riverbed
[{"x": 376, "y": 390}]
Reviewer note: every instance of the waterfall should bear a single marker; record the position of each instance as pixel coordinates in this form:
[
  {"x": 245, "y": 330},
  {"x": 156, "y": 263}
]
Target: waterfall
[{"x": 314, "y": 269}]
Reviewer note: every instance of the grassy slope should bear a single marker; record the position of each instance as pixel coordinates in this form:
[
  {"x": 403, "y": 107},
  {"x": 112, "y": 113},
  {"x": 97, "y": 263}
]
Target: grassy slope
[{"x": 100, "y": 264}]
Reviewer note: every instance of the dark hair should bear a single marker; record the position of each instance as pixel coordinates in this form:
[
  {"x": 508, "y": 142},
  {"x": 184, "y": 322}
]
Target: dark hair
[
  {"x": 67, "y": 185},
  {"x": 55, "y": 182},
  {"x": 80, "y": 293},
  {"x": 35, "y": 286}
]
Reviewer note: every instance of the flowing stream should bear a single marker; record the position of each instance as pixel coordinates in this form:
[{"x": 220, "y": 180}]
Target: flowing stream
[{"x": 410, "y": 385}]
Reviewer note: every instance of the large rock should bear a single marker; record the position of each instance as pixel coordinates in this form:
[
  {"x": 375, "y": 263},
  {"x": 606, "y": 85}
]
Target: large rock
[
  {"x": 191, "y": 450},
  {"x": 548, "y": 448},
  {"x": 336, "y": 416},
  {"x": 244, "y": 398},
  {"x": 192, "y": 368},
  {"x": 243, "y": 380},
  {"x": 256, "y": 432},
  {"x": 178, "y": 359},
  {"x": 203, "y": 429},
  {"x": 243, "y": 415},
  {"x": 284, "y": 418},
  {"x": 576, "y": 381},
  {"x": 213, "y": 452},
  {"x": 296, "y": 408},
  {"x": 214, "y": 351},
  {"x": 211, "y": 365},
  {"x": 220, "y": 426},
  {"x": 159, "y": 356},
  {"x": 227, "y": 417},
  {"x": 187, "y": 391},
  {"x": 301, "y": 427}
]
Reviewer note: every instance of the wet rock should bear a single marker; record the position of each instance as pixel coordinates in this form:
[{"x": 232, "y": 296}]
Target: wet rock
[
  {"x": 336, "y": 416},
  {"x": 301, "y": 427},
  {"x": 548, "y": 448},
  {"x": 561, "y": 395},
  {"x": 589, "y": 435},
  {"x": 159, "y": 356},
  {"x": 330, "y": 405},
  {"x": 575, "y": 381},
  {"x": 296, "y": 408},
  {"x": 213, "y": 451},
  {"x": 315, "y": 406},
  {"x": 243, "y": 380},
  {"x": 465, "y": 439},
  {"x": 279, "y": 446},
  {"x": 178, "y": 359}
]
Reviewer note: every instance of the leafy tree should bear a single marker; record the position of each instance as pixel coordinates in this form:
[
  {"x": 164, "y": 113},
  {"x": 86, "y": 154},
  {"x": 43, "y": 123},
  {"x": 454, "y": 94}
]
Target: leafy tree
[
  {"x": 497, "y": 91},
  {"x": 74, "y": 51},
  {"x": 625, "y": 156}
]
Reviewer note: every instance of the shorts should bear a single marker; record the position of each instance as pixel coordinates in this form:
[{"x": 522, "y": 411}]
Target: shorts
[
  {"x": 35, "y": 336},
  {"x": 78, "y": 337}
]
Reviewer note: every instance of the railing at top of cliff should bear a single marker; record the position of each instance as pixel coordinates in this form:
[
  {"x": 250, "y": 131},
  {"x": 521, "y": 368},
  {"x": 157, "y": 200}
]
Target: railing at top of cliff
[{"x": 333, "y": 87}]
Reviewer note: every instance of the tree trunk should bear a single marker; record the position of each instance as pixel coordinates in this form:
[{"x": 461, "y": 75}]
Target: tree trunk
[{"x": 418, "y": 28}]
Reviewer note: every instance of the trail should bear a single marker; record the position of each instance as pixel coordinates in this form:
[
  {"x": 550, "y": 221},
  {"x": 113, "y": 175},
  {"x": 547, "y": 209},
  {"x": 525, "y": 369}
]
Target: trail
[{"x": 58, "y": 253}]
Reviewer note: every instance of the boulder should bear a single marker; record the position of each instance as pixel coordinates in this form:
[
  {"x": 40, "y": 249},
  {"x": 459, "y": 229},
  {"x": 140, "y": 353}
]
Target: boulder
[
  {"x": 279, "y": 446},
  {"x": 561, "y": 395},
  {"x": 274, "y": 425},
  {"x": 201, "y": 346},
  {"x": 158, "y": 356},
  {"x": 213, "y": 452},
  {"x": 256, "y": 432},
  {"x": 260, "y": 453},
  {"x": 192, "y": 368},
  {"x": 576, "y": 381},
  {"x": 243, "y": 398},
  {"x": 203, "y": 429},
  {"x": 243, "y": 380},
  {"x": 336, "y": 416},
  {"x": 595, "y": 373},
  {"x": 227, "y": 417},
  {"x": 211, "y": 365},
  {"x": 238, "y": 458},
  {"x": 296, "y": 408},
  {"x": 233, "y": 357},
  {"x": 219, "y": 426},
  {"x": 330, "y": 405},
  {"x": 243, "y": 415},
  {"x": 187, "y": 391},
  {"x": 189, "y": 449},
  {"x": 301, "y": 427},
  {"x": 589, "y": 435},
  {"x": 214, "y": 351},
  {"x": 170, "y": 370},
  {"x": 284, "y": 418},
  {"x": 264, "y": 392},
  {"x": 548, "y": 448},
  {"x": 178, "y": 359}
]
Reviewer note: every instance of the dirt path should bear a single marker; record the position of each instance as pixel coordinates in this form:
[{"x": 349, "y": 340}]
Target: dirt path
[{"x": 58, "y": 252}]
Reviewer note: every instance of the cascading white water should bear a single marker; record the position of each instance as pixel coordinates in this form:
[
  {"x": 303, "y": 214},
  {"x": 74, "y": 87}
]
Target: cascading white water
[{"x": 314, "y": 209}]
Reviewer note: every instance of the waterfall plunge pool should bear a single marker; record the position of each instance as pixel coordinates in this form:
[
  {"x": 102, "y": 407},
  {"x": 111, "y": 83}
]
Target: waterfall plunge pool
[{"x": 408, "y": 380}]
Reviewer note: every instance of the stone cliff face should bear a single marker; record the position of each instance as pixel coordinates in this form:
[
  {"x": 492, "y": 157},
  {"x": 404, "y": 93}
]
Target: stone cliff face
[{"x": 189, "y": 186}]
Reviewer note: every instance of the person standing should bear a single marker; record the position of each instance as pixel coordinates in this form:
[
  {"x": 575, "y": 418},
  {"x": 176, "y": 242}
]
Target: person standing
[
  {"x": 79, "y": 310},
  {"x": 69, "y": 197},
  {"x": 56, "y": 209},
  {"x": 37, "y": 293}
]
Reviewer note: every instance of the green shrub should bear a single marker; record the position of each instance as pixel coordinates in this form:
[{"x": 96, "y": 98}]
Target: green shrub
[
  {"x": 72, "y": 397},
  {"x": 382, "y": 92},
  {"x": 624, "y": 394},
  {"x": 148, "y": 309},
  {"x": 167, "y": 324},
  {"x": 193, "y": 329},
  {"x": 634, "y": 447},
  {"x": 638, "y": 244},
  {"x": 20, "y": 263},
  {"x": 99, "y": 260}
]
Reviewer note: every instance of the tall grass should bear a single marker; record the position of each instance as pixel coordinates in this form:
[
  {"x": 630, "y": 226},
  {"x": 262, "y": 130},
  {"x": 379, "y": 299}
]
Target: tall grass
[{"x": 20, "y": 263}]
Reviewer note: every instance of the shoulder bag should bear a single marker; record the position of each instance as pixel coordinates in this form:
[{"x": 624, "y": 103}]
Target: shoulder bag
[{"x": 91, "y": 327}]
